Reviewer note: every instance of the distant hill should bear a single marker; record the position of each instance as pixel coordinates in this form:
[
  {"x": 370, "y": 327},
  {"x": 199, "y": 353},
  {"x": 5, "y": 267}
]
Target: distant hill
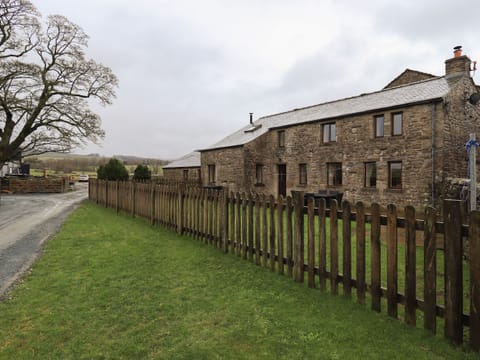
[
  {"x": 135, "y": 160},
  {"x": 127, "y": 159},
  {"x": 68, "y": 163}
]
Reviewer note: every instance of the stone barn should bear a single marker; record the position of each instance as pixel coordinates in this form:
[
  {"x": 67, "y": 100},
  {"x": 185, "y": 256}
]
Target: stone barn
[{"x": 187, "y": 168}]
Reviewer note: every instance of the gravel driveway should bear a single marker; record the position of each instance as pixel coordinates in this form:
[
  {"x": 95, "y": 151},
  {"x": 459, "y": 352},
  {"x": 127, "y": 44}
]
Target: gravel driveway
[{"x": 26, "y": 221}]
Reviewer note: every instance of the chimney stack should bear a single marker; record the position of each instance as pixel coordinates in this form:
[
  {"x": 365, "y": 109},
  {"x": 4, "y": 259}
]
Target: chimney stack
[
  {"x": 459, "y": 64},
  {"x": 251, "y": 118}
]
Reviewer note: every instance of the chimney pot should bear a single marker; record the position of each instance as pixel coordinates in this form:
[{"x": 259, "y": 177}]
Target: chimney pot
[
  {"x": 457, "y": 51},
  {"x": 251, "y": 118}
]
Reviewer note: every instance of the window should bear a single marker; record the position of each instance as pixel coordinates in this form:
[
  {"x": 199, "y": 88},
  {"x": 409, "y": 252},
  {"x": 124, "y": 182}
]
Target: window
[
  {"x": 211, "y": 174},
  {"x": 281, "y": 138},
  {"x": 395, "y": 174},
  {"x": 397, "y": 124},
  {"x": 259, "y": 174},
  {"x": 329, "y": 132},
  {"x": 185, "y": 174},
  {"x": 303, "y": 174},
  {"x": 334, "y": 174},
  {"x": 370, "y": 174},
  {"x": 379, "y": 126}
]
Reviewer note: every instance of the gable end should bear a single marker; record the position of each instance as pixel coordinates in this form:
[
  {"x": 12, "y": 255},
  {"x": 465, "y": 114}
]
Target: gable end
[{"x": 407, "y": 77}]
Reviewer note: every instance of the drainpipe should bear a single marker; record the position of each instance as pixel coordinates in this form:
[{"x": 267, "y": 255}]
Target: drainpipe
[{"x": 434, "y": 111}]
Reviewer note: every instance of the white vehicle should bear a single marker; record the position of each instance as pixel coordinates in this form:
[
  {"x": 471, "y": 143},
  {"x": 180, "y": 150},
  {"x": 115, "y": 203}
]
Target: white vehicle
[{"x": 83, "y": 178}]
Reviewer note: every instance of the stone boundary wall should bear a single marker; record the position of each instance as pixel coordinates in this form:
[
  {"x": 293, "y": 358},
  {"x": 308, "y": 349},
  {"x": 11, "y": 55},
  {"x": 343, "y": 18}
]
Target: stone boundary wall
[
  {"x": 35, "y": 185},
  {"x": 457, "y": 189}
]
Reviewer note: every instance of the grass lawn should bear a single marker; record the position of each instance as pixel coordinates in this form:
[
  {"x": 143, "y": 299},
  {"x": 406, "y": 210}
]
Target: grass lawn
[
  {"x": 113, "y": 287},
  {"x": 401, "y": 259}
]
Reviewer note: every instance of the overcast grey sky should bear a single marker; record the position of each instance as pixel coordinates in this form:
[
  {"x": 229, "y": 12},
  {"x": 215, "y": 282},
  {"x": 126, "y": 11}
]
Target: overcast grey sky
[{"x": 190, "y": 71}]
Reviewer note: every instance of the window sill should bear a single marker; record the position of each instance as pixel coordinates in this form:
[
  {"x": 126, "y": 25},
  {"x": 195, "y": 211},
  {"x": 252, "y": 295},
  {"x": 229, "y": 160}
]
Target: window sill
[
  {"x": 388, "y": 137},
  {"x": 302, "y": 185}
]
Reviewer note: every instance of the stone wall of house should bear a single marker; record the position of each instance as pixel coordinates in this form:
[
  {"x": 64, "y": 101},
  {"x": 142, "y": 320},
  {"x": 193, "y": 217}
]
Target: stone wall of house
[
  {"x": 355, "y": 145},
  {"x": 461, "y": 119},
  {"x": 36, "y": 185},
  {"x": 229, "y": 168},
  {"x": 181, "y": 174}
]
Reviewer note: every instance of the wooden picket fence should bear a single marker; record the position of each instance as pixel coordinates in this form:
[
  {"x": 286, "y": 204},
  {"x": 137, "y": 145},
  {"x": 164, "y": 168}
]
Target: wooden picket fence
[{"x": 315, "y": 242}]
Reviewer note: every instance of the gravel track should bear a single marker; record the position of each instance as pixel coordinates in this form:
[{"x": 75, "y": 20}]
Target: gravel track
[{"x": 26, "y": 222}]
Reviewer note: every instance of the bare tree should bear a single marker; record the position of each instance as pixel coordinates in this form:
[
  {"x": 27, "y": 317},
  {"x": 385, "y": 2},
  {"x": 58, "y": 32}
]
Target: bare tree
[
  {"x": 19, "y": 28},
  {"x": 46, "y": 84}
]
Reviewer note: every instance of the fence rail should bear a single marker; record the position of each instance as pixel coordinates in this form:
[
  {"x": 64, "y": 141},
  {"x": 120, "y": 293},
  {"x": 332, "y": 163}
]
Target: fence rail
[{"x": 341, "y": 248}]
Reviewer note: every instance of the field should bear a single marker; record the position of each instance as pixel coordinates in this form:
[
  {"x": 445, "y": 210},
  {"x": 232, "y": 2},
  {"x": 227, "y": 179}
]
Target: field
[
  {"x": 72, "y": 165},
  {"x": 120, "y": 288}
]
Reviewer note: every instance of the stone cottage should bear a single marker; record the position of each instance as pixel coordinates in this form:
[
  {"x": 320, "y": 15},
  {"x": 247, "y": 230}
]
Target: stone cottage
[
  {"x": 183, "y": 169},
  {"x": 397, "y": 145}
]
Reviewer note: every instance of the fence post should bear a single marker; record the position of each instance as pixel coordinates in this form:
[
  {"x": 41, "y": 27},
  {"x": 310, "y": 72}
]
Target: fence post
[
  {"x": 360, "y": 232},
  {"x": 271, "y": 252},
  {"x": 322, "y": 245},
  {"x": 289, "y": 209},
  {"x": 250, "y": 226},
  {"x": 392, "y": 261},
  {"x": 217, "y": 219},
  {"x": 410, "y": 267},
  {"x": 205, "y": 217},
  {"x": 257, "y": 229},
  {"x": 106, "y": 193},
  {"x": 264, "y": 231},
  {"x": 311, "y": 243},
  {"x": 244, "y": 226},
  {"x": 152, "y": 205},
  {"x": 453, "y": 270},
  {"x": 180, "y": 217},
  {"x": 117, "y": 196},
  {"x": 224, "y": 222},
  {"x": 298, "y": 237},
  {"x": 133, "y": 197},
  {"x": 334, "y": 247},
  {"x": 280, "y": 245},
  {"x": 474, "y": 238},
  {"x": 376, "y": 270},
  {"x": 97, "y": 183},
  {"x": 238, "y": 224},
  {"x": 430, "y": 270},
  {"x": 347, "y": 249},
  {"x": 89, "y": 188},
  {"x": 231, "y": 226}
]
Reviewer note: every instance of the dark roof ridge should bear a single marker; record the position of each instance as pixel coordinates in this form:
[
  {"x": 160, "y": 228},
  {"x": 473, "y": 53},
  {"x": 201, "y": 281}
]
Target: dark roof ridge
[{"x": 351, "y": 97}]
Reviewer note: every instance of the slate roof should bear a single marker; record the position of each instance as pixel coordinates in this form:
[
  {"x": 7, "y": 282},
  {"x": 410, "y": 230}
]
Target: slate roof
[
  {"x": 417, "y": 92},
  {"x": 190, "y": 160}
]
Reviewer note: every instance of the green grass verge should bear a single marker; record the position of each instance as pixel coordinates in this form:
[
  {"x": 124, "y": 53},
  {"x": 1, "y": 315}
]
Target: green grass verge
[{"x": 113, "y": 287}]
